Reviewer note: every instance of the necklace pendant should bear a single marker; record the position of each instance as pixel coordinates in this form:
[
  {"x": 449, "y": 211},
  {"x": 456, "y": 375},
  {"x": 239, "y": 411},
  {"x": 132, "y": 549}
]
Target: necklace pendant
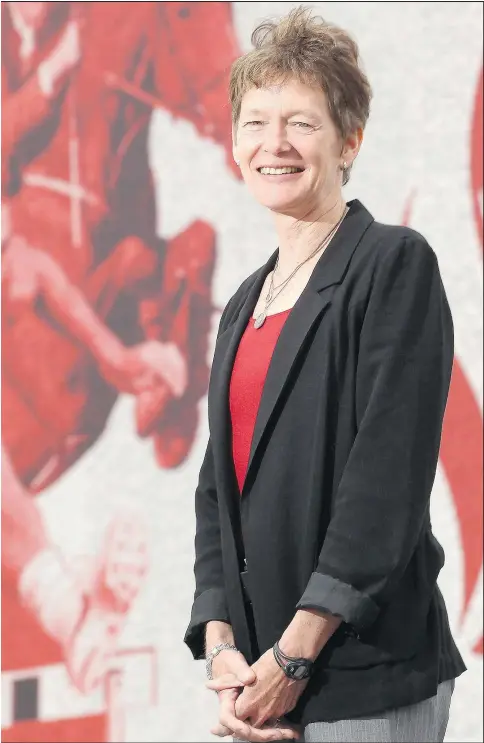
[{"x": 260, "y": 320}]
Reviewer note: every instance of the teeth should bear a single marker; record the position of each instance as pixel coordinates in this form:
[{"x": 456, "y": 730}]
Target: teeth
[{"x": 279, "y": 171}]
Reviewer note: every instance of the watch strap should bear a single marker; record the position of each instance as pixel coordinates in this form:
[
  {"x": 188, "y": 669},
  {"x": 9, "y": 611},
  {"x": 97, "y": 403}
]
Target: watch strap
[{"x": 296, "y": 669}]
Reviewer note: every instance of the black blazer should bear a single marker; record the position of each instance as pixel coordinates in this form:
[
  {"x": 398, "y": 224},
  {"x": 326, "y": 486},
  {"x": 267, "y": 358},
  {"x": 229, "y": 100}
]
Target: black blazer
[{"x": 334, "y": 512}]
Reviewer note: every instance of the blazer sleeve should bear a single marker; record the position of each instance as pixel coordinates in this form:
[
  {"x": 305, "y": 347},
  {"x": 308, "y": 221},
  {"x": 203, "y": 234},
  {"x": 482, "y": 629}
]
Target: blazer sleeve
[
  {"x": 209, "y": 601},
  {"x": 402, "y": 382}
]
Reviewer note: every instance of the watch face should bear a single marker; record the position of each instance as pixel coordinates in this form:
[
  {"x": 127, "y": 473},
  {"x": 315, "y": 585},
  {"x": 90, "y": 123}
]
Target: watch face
[{"x": 297, "y": 671}]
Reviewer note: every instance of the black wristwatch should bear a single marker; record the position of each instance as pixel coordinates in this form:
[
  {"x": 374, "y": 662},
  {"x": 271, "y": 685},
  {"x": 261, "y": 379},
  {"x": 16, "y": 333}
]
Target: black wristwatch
[{"x": 296, "y": 669}]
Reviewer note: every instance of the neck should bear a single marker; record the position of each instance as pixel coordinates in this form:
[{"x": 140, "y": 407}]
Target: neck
[{"x": 300, "y": 236}]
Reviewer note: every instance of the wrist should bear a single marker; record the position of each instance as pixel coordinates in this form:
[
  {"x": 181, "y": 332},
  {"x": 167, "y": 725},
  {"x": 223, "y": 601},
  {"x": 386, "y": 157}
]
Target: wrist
[
  {"x": 294, "y": 668},
  {"x": 217, "y": 633},
  {"x": 214, "y": 654},
  {"x": 308, "y": 633}
]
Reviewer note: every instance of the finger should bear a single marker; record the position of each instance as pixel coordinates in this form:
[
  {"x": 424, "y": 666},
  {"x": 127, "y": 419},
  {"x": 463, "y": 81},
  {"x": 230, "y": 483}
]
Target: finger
[
  {"x": 220, "y": 730},
  {"x": 282, "y": 732},
  {"x": 261, "y": 720},
  {"x": 248, "y": 732},
  {"x": 280, "y": 724},
  {"x": 294, "y": 731},
  {"x": 263, "y": 735},
  {"x": 228, "y": 719},
  {"x": 237, "y": 728},
  {"x": 272, "y": 729},
  {"x": 243, "y": 707},
  {"x": 285, "y": 733},
  {"x": 226, "y": 681},
  {"x": 229, "y": 696}
]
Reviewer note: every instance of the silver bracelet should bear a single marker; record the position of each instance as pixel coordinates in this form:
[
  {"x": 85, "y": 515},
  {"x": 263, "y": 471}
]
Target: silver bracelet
[{"x": 213, "y": 654}]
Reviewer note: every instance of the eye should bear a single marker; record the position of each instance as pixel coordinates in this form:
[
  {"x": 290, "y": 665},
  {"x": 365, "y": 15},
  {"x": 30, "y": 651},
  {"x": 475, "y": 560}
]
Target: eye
[
  {"x": 253, "y": 123},
  {"x": 301, "y": 124}
]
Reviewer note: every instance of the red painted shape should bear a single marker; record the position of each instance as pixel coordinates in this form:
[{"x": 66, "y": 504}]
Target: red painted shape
[{"x": 78, "y": 730}]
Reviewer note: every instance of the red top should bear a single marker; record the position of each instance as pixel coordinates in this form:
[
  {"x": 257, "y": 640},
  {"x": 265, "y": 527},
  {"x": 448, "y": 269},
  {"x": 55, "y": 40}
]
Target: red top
[{"x": 248, "y": 376}]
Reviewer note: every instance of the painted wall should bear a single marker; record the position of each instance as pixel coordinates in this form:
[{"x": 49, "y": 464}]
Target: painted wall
[{"x": 119, "y": 196}]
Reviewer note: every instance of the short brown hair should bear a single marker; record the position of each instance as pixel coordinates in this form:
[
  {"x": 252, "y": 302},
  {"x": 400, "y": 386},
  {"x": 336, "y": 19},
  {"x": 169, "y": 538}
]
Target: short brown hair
[{"x": 314, "y": 52}]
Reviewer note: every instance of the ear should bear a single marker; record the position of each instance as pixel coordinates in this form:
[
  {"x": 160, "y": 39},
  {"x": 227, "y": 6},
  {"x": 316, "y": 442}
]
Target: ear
[{"x": 351, "y": 146}]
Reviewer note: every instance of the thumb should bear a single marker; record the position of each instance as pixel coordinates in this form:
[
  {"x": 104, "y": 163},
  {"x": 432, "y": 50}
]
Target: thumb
[
  {"x": 226, "y": 682},
  {"x": 242, "y": 670}
]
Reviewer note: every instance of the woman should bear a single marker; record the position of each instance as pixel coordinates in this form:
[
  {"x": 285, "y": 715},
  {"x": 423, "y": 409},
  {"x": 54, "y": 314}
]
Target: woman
[{"x": 316, "y": 567}]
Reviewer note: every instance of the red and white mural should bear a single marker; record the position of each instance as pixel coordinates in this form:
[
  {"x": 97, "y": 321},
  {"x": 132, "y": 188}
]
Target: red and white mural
[
  {"x": 95, "y": 303},
  {"x": 125, "y": 228}
]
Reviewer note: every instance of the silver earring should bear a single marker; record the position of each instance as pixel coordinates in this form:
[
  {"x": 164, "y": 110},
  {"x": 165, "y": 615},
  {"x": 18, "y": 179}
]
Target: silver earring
[
  {"x": 237, "y": 162},
  {"x": 345, "y": 165}
]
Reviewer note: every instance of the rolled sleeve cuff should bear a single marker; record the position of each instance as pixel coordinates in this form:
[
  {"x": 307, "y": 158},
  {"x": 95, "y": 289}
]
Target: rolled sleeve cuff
[
  {"x": 210, "y": 606},
  {"x": 328, "y": 594}
]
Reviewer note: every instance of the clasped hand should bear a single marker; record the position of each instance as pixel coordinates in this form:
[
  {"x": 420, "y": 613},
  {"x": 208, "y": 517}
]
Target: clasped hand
[{"x": 253, "y": 699}]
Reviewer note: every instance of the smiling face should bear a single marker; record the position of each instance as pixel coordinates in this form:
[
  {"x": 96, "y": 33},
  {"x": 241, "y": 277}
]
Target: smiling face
[{"x": 290, "y": 151}]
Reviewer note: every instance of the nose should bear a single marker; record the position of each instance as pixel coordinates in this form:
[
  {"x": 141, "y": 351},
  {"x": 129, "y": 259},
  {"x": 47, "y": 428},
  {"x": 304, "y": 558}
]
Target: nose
[{"x": 275, "y": 139}]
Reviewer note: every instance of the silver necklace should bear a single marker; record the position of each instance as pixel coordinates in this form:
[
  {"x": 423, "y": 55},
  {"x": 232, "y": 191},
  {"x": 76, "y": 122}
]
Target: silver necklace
[{"x": 270, "y": 296}]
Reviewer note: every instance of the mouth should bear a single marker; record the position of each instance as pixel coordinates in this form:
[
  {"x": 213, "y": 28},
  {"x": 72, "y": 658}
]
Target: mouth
[{"x": 287, "y": 170}]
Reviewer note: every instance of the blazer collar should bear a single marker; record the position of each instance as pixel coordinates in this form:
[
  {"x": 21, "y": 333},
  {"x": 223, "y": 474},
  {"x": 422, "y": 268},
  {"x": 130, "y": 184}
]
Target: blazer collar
[
  {"x": 314, "y": 300},
  {"x": 331, "y": 267}
]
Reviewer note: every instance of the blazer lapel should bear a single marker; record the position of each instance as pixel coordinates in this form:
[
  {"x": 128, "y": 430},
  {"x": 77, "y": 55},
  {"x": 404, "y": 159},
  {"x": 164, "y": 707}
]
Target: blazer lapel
[
  {"x": 314, "y": 300},
  {"x": 219, "y": 388},
  {"x": 306, "y": 311}
]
